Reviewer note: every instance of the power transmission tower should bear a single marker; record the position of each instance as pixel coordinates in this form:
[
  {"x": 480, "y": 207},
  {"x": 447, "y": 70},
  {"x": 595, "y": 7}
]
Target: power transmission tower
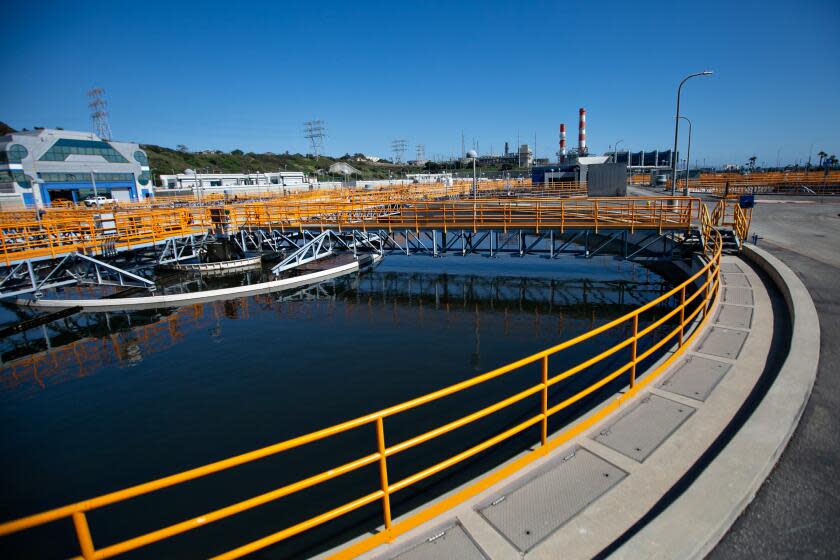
[
  {"x": 398, "y": 147},
  {"x": 421, "y": 153},
  {"x": 98, "y": 114},
  {"x": 315, "y": 131}
]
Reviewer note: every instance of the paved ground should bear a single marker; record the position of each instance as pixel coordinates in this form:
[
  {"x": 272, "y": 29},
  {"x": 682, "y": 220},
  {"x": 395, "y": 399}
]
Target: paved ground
[{"x": 796, "y": 512}]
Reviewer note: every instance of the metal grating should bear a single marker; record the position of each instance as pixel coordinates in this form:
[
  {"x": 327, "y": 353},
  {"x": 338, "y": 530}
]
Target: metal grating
[
  {"x": 738, "y": 296},
  {"x": 695, "y": 377},
  {"x": 643, "y": 428},
  {"x": 528, "y": 512},
  {"x": 734, "y": 316},
  {"x": 452, "y": 542},
  {"x": 730, "y": 267},
  {"x": 739, "y": 280},
  {"x": 722, "y": 342}
]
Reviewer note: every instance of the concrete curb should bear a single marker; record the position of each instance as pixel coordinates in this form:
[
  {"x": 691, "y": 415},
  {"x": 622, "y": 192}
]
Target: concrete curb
[{"x": 728, "y": 485}]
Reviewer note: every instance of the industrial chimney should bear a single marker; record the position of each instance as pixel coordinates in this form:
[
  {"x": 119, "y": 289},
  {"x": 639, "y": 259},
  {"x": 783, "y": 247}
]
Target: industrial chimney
[
  {"x": 562, "y": 142},
  {"x": 582, "y": 134},
  {"x": 507, "y": 150}
]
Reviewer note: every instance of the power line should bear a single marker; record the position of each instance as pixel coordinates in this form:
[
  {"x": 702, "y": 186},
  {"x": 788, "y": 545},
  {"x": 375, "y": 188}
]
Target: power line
[
  {"x": 315, "y": 131},
  {"x": 421, "y": 153},
  {"x": 98, "y": 114},
  {"x": 398, "y": 147}
]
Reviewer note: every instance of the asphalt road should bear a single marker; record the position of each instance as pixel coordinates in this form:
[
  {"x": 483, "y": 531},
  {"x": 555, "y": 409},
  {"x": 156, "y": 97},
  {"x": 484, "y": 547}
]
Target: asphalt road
[{"x": 796, "y": 513}]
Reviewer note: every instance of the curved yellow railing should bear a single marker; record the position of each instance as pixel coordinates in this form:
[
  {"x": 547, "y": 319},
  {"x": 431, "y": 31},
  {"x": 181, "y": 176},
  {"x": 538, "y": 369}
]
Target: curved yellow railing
[{"x": 696, "y": 297}]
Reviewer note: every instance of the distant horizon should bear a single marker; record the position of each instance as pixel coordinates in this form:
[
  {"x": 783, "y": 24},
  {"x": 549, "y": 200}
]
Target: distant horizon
[
  {"x": 197, "y": 75},
  {"x": 695, "y": 163}
]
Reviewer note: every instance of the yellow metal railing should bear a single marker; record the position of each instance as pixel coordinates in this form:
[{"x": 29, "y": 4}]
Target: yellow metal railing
[
  {"x": 24, "y": 236},
  {"x": 728, "y": 213},
  {"x": 696, "y": 296}
]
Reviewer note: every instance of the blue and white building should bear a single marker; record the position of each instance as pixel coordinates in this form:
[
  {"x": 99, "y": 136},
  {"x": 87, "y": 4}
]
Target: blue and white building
[{"x": 44, "y": 166}]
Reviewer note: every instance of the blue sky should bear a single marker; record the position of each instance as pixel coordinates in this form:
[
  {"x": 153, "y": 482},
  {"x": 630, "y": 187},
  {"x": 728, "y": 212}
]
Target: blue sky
[{"x": 227, "y": 75}]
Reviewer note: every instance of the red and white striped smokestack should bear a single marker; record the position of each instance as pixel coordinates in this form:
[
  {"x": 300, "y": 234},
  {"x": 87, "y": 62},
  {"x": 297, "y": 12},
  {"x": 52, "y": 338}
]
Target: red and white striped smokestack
[
  {"x": 562, "y": 140},
  {"x": 582, "y": 133}
]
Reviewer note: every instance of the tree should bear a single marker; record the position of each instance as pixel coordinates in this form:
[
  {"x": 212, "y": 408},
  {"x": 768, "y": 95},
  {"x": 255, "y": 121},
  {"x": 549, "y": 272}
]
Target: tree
[
  {"x": 236, "y": 152},
  {"x": 752, "y": 162},
  {"x": 181, "y": 148},
  {"x": 822, "y": 155}
]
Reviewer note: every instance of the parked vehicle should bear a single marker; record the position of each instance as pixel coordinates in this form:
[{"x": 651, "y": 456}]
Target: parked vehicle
[{"x": 98, "y": 201}]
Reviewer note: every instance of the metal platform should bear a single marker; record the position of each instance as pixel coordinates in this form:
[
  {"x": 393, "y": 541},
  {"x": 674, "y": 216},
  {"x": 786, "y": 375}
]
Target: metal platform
[
  {"x": 738, "y": 296},
  {"x": 695, "y": 377},
  {"x": 722, "y": 342},
  {"x": 639, "y": 432},
  {"x": 736, "y": 316},
  {"x": 529, "y": 511},
  {"x": 452, "y": 542},
  {"x": 730, "y": 267},
  {"x": 735, "y": 280}
]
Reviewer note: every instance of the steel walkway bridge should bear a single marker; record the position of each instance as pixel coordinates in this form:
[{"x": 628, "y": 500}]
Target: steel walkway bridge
[{"x": 90, "y": 246}]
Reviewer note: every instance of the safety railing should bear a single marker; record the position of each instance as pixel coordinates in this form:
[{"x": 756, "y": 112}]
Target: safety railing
[
  {"x": 66, "y": 231},
  {"x": 728, "y": 213},
  {"x": 696, "y": 296}
]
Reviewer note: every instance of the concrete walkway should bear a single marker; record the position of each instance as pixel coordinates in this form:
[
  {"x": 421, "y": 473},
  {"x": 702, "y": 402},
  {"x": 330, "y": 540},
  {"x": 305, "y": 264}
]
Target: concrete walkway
[
  {"x": 796, "y": 512},
  {"x": 585, "y": 495}
]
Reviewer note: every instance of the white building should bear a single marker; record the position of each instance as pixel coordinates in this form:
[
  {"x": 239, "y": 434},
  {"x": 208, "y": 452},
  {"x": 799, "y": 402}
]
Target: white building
[
  {"x": 232, "y": 183},
  {"x": 44, "y": 166},
  {"x": 343, "y": 168}
]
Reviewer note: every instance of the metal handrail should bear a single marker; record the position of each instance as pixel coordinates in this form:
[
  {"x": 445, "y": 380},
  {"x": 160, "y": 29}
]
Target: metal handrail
[
  {"x": 706, "y": 292},
  {"x": 57, "y": 234}
]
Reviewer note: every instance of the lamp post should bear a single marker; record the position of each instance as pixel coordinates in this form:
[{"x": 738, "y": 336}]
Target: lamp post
[
  {"x": 615, "y": 150},
  {"x": 688, "y": 155},
  {"x": 474, "y": 156},
  {"x": 677, "y": 129}
]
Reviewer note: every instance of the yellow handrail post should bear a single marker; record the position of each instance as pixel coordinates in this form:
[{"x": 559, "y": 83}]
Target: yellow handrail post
[
  {"x": 383, "y": 475},
  {"x": 544, "y": 426},
  {"x": 83, "y": 533},
  {"x": 635, "y": 346},
  {"x": 682, "y": 315}
]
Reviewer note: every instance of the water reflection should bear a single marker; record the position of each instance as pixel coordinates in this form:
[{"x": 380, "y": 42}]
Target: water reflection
[
  {"x": 84, "y": 343},
  {"x": 95, "y": 402}
]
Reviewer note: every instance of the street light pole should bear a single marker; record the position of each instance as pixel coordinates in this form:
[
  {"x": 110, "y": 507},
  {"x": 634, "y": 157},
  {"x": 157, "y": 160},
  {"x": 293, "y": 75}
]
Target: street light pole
[
  {"x": 615, "y": 151},
  {"x": 688, "y": 156},
  {"x": 677, "y": 130},
  {"x": 474, "y": 156}
]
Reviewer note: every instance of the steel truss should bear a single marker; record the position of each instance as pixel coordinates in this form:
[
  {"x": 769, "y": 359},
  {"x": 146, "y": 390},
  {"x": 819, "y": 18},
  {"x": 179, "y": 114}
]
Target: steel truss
[
  {"x": 182, "y": 248},
  {"x": 34, "y": 276},
  {"x": 585, "y": 243},
  {"x": 328, "y": 244}
]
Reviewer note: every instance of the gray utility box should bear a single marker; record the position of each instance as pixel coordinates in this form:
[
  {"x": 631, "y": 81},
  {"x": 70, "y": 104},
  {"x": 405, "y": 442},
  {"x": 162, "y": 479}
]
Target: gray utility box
[{"x": 607, "y": 179}]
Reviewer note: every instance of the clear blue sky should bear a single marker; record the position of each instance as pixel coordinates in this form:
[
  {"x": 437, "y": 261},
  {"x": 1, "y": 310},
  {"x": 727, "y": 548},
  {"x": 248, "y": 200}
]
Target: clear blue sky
[{"x": 228, "y": 75}]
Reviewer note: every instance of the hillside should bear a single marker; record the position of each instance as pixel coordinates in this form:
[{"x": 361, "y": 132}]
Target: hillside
[{"x": 168, "y": 161}]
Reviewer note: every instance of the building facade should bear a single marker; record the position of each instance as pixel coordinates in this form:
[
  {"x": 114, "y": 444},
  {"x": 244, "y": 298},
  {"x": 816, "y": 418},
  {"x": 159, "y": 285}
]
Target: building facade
[
  {"x": 231, "y": 183},
  {"x": 47, "y": 166}
]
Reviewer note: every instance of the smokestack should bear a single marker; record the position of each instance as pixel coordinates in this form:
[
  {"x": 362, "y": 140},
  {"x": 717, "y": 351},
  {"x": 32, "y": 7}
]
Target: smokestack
[
  {"x": 582, "y": 133},
  {"x": 507, "y": 151},
  {"x": 562, "y": 141}
]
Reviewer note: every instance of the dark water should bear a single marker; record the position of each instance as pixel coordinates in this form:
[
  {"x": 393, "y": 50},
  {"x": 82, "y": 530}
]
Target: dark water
[{"x": 99, "y": 401}]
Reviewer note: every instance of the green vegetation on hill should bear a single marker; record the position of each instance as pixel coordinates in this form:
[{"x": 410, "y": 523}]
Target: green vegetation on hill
[{"x": 168, "y": 161}]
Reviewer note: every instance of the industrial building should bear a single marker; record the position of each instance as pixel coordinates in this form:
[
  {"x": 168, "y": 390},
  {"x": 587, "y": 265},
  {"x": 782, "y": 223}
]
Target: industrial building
[
  {"x": 45, "y": 166},
  {"x": 522, "y": 158},
  {"x": 231, "y": 183}
]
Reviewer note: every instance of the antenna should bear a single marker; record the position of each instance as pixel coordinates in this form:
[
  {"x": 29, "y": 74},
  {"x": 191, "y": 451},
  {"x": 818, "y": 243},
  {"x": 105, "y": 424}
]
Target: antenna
[
  {"x": 398, "y": 147},
  {"x": 315, "y": 131},
  {"x": 98, "y": 114},
  {"x": 421, "y": 153}
]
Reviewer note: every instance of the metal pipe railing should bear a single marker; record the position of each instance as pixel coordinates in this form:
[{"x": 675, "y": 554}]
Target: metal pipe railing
[{"x": 707, "y": 290}]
